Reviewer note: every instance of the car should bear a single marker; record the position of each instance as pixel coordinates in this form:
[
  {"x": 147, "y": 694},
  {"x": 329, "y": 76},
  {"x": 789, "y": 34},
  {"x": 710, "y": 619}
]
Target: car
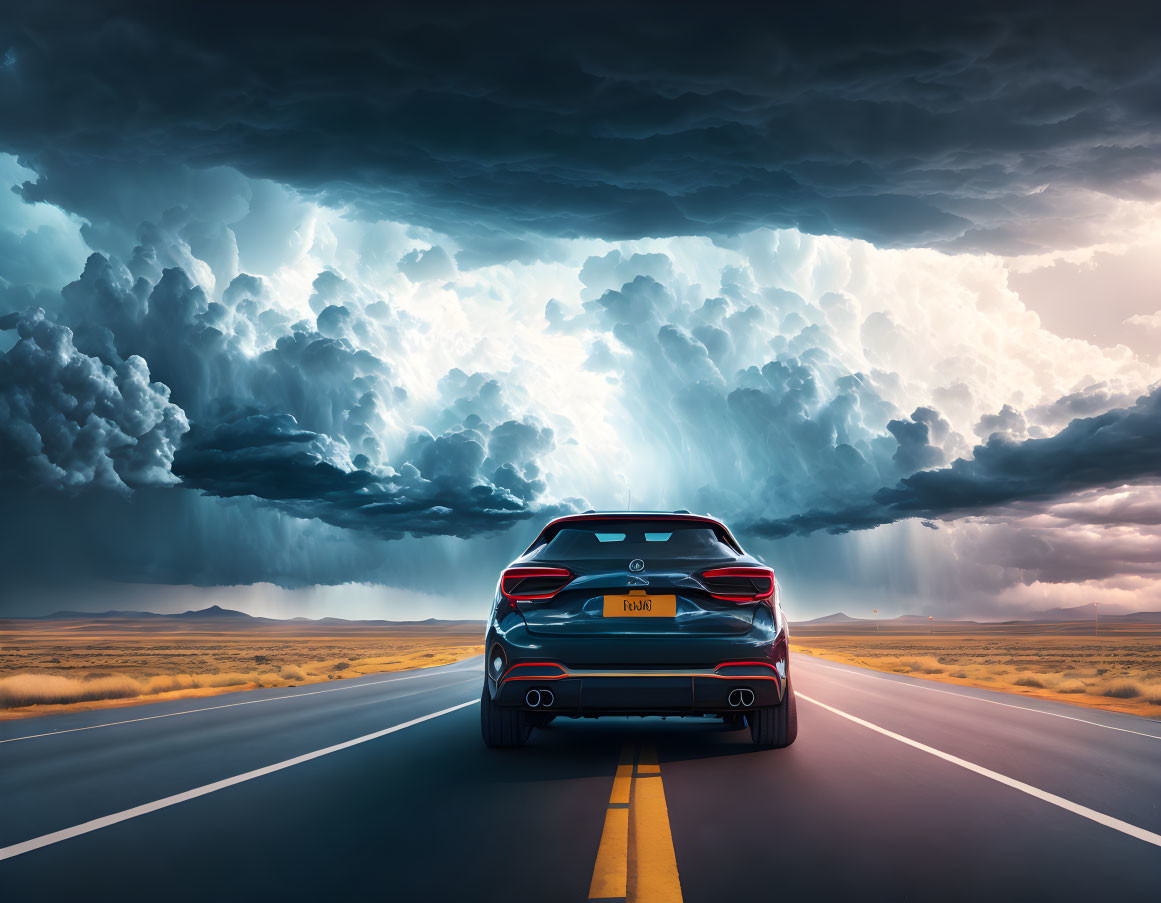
[{"x": 637, "y": 613}]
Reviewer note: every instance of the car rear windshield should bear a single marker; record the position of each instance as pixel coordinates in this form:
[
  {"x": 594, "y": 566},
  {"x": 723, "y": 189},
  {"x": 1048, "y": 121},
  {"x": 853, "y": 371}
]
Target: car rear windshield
[{"x": 633, "y": 539}]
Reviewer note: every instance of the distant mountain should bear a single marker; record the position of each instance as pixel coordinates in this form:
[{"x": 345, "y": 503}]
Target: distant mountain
[
  {"x": 96, "y": 615},
  {"x": 837, "y": 618},
  {"x": 1050, "y": 616},
  {"x": 228, "y": 617},
  {"x": 843, "y": 618},
  {"x": 215, "y": 611},
  {"x": 1137, "y": 617},
  {"x": 1074, "y": 613},
  {"x": 1086, "y": 613},
  {"x": 348, "y": 622}
]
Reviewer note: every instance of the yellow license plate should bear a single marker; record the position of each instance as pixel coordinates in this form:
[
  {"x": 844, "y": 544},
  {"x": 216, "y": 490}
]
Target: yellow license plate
[{"x": 640, "y": 605}]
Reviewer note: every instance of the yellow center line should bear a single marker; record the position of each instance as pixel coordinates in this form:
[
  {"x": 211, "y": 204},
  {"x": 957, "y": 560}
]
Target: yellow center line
[
  {"x": 609, "y": 873},
  {"x": 635, "y": 860},
  {"x": 652, "y": 861},
  {"x": 647, "y": 761},
  {"x": 622, "y": 783}
]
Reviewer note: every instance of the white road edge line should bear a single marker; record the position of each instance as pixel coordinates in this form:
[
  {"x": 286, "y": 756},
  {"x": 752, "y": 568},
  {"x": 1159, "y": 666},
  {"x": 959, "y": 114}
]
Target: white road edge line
[
  {"x": 1007, "y": 705},
  {"x": 230, "y": 705},
  {"x": 1099, "y": 817},
  {"x": 97, "y": 823}
]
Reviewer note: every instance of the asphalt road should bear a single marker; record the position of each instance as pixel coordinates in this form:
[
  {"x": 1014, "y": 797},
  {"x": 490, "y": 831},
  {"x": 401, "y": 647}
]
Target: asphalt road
[{"x": 897, "y": 789}]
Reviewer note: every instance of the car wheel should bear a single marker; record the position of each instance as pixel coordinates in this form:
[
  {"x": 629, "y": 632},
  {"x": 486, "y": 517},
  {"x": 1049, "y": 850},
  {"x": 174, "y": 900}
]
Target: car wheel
[
  {"x": 502, "y": 727},
  {"x": 775, "y": 726}
]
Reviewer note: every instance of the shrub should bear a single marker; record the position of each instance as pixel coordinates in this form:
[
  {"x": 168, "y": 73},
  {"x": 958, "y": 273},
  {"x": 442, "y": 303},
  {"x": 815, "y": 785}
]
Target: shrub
[
  {"x": 292, "y": 672},
  {"x": 1030, "y": 680},
  {"x": 44, "y": 689},
  {"x": 1071, "y": 686},
  {"x": 230, "y": 679},
  {"x": 166, "y": 683},
  {"x": 1122, "y": 689}
]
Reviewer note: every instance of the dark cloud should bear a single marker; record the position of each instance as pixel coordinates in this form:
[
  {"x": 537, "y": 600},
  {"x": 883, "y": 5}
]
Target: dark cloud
[
  {"x": 71, "y": 421},
  {"x": 440, "y": 490},
  {"x": 174, "y": 536},
  {"x": 1094, "y": 399},
  {"x": 298, "y": 425},
  {"x": 966, "y": 127},
  {"x": 914, "y": 436},
  {"x": 1112, "y": 449}
]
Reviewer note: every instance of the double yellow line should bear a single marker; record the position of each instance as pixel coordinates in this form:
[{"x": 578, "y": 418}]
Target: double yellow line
[{"x": 635, "y": 861}]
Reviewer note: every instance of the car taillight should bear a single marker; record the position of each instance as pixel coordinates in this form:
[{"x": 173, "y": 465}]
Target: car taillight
[
  {"x": 534, "y": 583},
  {"x": 739, "y": 584}
]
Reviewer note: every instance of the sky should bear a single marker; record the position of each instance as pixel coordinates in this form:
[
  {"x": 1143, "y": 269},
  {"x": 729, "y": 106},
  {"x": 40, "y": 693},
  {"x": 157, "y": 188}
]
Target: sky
[{"x": 327, "y": 312}]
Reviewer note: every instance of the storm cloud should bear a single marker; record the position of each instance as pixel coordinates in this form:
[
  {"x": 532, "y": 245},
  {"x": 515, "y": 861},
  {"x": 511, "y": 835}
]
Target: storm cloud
[
  {"x": 457, "y": 484},
  {"x": 293, "y": 414},
  {"x": 979, "y": 127},
  {"x": 71, "y": 421},
  {"x": 309, "y": 296},
  {"x": 1117, "y": 448}
]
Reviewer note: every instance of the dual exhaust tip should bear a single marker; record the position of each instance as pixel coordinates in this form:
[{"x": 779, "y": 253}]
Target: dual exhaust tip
[{"x": 741, "y": 698}]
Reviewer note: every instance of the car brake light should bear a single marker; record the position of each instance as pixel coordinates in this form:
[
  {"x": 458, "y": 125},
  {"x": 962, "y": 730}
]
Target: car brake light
[
  {"x": 534, "y": 583},
  {"x": 740, "y": 584}
]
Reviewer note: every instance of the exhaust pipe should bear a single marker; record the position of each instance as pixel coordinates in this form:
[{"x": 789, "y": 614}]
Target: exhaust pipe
[
  {"x": 735, "y": 698},
  {"x": 546, "y": 698},
  {"x": 532, "y": 698},
  {"x": 742, "y": 697}
]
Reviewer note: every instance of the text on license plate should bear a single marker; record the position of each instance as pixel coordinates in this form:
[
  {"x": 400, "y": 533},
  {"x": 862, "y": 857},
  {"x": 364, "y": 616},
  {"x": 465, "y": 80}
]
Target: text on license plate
[{"x": 640, "y": 605}]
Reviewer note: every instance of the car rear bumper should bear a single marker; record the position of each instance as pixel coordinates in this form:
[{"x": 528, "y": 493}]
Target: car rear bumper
[{"x": 565, "y": 691}]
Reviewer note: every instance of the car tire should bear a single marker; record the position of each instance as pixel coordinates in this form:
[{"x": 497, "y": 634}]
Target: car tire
[
  {"x": 500, "y": 726},
  {"x": 775, "y": 726}
]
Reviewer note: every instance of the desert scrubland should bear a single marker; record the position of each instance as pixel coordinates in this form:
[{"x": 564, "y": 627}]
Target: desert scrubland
[
  {"x": 49, "y": 666},
  {"x": 1118, "y": 671},
  {"x": 65, "y": 664}
]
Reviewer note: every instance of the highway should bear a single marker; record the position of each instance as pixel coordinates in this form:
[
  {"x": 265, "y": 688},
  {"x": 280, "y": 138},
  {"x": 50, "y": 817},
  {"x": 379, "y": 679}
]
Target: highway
[{"x": 897, "y": 789}]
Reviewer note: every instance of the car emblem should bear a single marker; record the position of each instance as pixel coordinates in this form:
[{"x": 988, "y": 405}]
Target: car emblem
[
  {"x": 637, "y": 581},
  {"x": 636, "y": 565}
]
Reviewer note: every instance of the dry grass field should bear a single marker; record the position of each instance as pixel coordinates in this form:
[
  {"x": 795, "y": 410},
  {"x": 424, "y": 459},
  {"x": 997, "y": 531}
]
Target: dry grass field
[
  {"x": 1119, "y": 671},
  {"x": 49, "y": 666},
  {"x": 60, "y": 665}
]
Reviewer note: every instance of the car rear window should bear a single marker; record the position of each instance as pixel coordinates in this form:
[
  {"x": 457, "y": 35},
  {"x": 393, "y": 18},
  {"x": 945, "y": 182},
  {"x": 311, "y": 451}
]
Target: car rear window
[{"x": 633, "y": 539}]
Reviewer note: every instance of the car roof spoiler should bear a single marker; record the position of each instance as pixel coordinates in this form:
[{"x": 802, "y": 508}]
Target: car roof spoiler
[{"x": 553, "y": 526}]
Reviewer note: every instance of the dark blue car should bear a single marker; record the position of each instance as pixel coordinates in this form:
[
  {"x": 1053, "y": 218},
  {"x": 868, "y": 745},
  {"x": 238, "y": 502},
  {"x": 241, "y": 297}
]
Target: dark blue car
[{"x": 637, "y": 613}]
